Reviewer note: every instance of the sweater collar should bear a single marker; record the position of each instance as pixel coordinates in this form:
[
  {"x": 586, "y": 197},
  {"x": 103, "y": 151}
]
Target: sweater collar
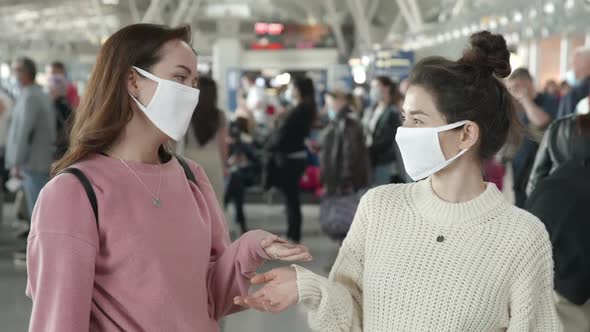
[{"x": 436, "y": 210}]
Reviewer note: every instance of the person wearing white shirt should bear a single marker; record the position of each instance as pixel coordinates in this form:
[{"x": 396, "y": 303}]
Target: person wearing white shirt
[{"x": 255, "y": 99}]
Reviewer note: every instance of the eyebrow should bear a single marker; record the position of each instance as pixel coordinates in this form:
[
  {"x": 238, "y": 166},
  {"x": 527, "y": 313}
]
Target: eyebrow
[
  {"x": 185, "y": 68},
  {"x": 416, "y": 112}
]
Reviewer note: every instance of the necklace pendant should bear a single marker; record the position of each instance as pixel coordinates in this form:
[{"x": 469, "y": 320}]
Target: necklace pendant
[{"x": 157, "y": 202}]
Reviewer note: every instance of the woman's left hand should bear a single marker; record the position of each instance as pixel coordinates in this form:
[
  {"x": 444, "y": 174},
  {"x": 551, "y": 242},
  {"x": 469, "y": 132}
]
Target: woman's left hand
[
  {"x": 279, "y": 249},
  {"x": 279, "y": 292}
]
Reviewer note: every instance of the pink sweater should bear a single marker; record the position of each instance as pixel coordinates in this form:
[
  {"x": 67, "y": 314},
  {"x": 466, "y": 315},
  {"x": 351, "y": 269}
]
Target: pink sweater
[{"x": 145, "y": 269}]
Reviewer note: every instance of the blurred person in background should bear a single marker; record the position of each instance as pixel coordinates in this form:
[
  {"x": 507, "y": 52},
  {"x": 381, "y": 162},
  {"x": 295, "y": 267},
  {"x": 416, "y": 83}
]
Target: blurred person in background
[
  {"x": 32, "y": 137},
  {"x": 564, "y": 138},
  {"x": 287, "y": 150},
  {"x": 353, "y": 104},
  {"x": 244, "y": 168},
  {"x": 579, "y": 80},
  {"x": 206, "y": 139},
  {"x": 137, "y": 241},
  {"x": 6, "y": 103},
  {"x": 381, "y": 123},
  {"x": 57, "y": 68},
  {"x": 344, "y": 158},
  {"x": 255, "y": 100},
  {"x": 551, "y": 88},
  {"x": 345, "y": 166},
  {"x": 242, "y": 112},
  {"x": 360, "y": 101},
  {"x": 57, "y": 88},
  {"x": 564, "y": 89},
  {"x": 559, "y": 195},
  {"x": 537, "y": 110}
]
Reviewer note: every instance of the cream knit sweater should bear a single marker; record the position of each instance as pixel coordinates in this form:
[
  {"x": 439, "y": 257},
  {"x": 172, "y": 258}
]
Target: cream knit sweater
[{"x": 412, "y": 262}]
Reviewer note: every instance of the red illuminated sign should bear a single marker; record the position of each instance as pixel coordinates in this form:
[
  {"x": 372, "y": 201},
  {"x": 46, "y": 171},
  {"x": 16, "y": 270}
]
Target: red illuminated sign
[{"x": 262, "y": 28}]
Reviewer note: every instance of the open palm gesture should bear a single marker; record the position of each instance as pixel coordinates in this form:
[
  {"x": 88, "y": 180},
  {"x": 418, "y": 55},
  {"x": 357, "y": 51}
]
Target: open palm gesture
[{"x": 278, "y": 293}]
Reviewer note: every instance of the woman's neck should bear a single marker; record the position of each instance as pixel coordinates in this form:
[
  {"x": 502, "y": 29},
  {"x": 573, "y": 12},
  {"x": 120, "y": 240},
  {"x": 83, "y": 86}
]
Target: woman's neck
[
  {"x": 133, "y": 152},
  {"x": 460, "y": 182},
  {"x": 135, "y": 145}
]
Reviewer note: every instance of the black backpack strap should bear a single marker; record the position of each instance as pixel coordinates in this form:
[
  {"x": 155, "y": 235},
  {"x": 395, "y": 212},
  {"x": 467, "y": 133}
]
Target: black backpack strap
[
  {"x": 187, "y": 170},
  {"x": 87, "y": 187}
]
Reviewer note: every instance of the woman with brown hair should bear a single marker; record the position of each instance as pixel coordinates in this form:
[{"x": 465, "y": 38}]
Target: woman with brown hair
[
  {"x": 136, "y": 241},
  {"x": 206, "y": 142}
]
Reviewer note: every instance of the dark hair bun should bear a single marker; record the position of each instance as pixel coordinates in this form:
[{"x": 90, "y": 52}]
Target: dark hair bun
[{"x": 488, "y": 52}]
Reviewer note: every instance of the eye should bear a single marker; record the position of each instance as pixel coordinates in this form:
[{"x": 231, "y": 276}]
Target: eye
[
  {"x": 180, "y": 78},
  {"x": 418, "y": 122}
]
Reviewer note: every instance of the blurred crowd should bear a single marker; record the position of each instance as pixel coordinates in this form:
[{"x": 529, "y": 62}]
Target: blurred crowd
[
  {"x": 337, "y": 144},
  {"x": 332, "y": 144}
]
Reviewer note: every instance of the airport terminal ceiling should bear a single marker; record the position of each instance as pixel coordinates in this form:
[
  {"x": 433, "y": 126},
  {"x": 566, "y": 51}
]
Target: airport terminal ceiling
[{"x": 75, "y": 28}]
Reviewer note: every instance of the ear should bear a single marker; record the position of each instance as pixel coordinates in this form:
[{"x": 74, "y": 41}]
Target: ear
[
  {"x": 132, "y": 83},
  {"x": 469, "y": 135}
]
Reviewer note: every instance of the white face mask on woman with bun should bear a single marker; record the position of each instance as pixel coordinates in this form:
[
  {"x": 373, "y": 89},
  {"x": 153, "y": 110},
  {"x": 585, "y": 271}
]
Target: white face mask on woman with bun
[{"x": 427, "y": 143}]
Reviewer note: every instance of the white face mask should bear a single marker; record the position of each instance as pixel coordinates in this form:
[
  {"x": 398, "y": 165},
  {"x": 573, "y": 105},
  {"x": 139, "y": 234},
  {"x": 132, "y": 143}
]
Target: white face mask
[
  {"x": 421, "y": 151},
  {"x": 171, "y": 107}
]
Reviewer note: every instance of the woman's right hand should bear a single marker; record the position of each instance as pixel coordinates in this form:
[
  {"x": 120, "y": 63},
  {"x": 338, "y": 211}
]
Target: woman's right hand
[{"x": 280, "y": 291}]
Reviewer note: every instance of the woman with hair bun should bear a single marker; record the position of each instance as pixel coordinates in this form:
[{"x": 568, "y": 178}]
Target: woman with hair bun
[{"x": 448, "y": 253}]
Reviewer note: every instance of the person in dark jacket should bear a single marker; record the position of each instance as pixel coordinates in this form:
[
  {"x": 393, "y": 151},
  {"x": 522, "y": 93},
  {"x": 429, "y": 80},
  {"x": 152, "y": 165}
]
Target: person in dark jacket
[
  {"x": 286, "y": 146},
  {"x": 559, "y": 194},
  {"x": 244, "y": 167},
  {"x": 57, "y": 86},
  {"x": 345, "y": 166},
  {"x": 381, "y": 123},
  {"x": 557, "y": 147}
]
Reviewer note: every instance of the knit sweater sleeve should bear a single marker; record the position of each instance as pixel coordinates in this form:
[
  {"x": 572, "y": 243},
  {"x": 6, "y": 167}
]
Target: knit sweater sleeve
[
  {"x": 531, "y": 296},
  {"x": 335, "y": 304}
]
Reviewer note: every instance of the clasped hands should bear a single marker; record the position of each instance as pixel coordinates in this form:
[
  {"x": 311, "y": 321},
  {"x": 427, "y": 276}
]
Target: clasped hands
[{"x": 280, "y": 285}]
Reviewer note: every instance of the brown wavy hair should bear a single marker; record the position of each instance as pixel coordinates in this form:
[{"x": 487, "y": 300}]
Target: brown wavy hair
[
  {"x": 207, "y": 118},
  {"x": 105, "y": 109}
]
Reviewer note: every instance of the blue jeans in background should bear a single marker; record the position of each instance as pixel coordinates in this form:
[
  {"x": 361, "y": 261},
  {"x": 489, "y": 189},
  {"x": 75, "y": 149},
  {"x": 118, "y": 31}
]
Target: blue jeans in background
[{"x": 33, "y": 182}]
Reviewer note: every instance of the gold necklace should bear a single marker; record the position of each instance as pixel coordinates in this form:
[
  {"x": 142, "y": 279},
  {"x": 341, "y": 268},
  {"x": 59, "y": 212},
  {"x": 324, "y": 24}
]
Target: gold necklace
[{"x": 157, "y": 202}]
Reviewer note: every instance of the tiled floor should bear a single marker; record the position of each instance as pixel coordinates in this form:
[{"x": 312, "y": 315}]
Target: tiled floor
[{"x": 15, "y": 307}]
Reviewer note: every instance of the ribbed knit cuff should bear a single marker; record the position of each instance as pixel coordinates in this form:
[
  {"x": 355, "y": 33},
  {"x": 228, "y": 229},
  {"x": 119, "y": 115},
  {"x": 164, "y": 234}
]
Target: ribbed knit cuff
[{"x": 310, "y": 286}]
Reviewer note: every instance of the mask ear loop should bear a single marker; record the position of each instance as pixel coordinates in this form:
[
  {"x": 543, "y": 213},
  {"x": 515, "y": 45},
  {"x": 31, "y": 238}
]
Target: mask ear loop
[
  {"x": 451, "y": 126},
  {"x": 149, "y": 76}
]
